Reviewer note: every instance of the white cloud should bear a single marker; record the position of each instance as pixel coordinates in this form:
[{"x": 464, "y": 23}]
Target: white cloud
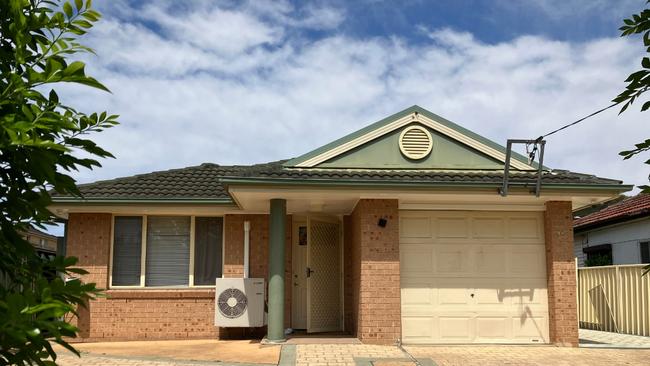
[
  {"x": 225, "y": 32},
  {"x": 250, "y": 89}
]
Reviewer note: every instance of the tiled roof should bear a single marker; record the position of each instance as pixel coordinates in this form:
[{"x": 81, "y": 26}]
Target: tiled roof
[
  {"x": 204, "y": 181},
  {"x": 629, "y": 208}
]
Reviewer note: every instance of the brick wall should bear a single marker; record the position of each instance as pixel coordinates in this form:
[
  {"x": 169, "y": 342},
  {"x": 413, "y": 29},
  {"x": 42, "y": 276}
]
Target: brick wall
[
  {"x": 560, "y": 270},
  {"x": 153, "y": 314},
  {"x": 89, "y": 239},
  {"x": 259, "y": 251},
  {"x": 351, "y": 270},
  {"x": 373, "y": 272},
  {"x": 163, "y": 314}
]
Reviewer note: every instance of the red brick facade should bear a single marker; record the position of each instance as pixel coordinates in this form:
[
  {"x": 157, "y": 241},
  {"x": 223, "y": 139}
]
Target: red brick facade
[
  {"x": 372, "y": 296},
  {"x": 163, "y": 314},
  {"x": 561, "y": 274},
  {"x": 371, "y": 279}
]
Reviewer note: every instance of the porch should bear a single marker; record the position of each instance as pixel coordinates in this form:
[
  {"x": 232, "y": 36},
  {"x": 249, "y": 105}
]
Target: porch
[{"x": 328, "y": 290}]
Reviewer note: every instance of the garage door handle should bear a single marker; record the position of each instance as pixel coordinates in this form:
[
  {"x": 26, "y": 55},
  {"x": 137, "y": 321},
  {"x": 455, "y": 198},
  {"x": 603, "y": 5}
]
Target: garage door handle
[{"x": 472, "y": 295}]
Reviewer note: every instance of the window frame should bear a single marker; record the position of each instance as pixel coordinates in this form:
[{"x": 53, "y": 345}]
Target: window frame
[
  {"x": 143, "y": 253},
  {"x": 641, "y": 244}
]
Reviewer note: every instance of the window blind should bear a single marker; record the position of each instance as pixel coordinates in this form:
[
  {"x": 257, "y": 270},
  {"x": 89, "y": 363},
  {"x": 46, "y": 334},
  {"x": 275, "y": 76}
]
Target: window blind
[
  {"x": 168, "y": 251},
  {"x": 127, "y": 246},
  {"x": 208, "y": 237}
]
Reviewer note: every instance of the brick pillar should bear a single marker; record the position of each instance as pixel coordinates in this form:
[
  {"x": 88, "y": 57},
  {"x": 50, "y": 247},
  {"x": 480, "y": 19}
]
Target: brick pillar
[
  {"x": 376, "y": 250},
  {"x": 561, "y": 275}
]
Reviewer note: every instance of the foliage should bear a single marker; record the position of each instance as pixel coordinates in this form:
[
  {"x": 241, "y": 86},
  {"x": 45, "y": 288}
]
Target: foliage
[
  {"x": 40, "y": 140},
  {"x": 638, "y": 82},
  {"x": 596, "y": 260}
]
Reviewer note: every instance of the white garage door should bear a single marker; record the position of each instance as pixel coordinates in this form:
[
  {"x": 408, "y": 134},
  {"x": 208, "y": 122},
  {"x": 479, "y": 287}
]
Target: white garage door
[{"x": 473, "y": 277}]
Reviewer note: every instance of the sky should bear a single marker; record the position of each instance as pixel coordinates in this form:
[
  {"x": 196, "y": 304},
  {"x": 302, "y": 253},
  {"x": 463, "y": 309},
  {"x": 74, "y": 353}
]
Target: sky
[{"x": 248, "y": 82}]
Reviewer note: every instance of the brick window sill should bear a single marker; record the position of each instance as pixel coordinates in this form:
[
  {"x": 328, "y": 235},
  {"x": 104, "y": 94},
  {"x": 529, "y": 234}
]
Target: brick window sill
[{"x": 161, "y": 294}]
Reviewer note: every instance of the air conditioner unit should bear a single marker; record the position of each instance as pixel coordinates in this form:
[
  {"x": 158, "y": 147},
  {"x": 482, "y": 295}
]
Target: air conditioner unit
[{"x": 239, "y": 302}]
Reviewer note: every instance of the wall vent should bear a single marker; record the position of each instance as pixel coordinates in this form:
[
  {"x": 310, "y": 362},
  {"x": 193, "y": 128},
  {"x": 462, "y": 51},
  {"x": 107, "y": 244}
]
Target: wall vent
[{"x": 415, "y": 142}]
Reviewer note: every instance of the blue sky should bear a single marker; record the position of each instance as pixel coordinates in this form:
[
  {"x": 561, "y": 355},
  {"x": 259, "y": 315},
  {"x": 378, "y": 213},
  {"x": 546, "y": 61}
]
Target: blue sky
[
  {"x": 488, "y": 20},
  {"x": 243, "y": 82}
]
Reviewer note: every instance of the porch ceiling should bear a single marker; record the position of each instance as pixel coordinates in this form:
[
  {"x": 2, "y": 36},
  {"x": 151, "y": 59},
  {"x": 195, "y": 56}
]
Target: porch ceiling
[{"x": 341, "y": 201}]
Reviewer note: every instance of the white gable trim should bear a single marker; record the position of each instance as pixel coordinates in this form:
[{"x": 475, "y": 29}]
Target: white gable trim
[{"x": 413, "y": 117}]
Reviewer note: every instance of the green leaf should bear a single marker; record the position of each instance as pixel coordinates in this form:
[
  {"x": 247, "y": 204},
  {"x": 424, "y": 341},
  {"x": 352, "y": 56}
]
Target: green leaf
[
  {"x": 76, "y": 67},
  {"x": 645, "y": 106},
  {"x": 67, "y": 9},
  {"x": 645, "y": 62},
  {"x": 79, "y": 4}
]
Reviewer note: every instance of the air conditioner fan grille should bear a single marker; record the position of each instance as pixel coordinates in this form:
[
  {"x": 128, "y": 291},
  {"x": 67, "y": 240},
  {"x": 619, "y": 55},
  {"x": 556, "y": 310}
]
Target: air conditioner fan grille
[{"x": 232, "y": 303}]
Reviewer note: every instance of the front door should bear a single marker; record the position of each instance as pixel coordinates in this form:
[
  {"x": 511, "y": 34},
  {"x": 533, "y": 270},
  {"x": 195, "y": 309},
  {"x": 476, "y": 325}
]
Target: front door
[{"x": 324, "y": 275}]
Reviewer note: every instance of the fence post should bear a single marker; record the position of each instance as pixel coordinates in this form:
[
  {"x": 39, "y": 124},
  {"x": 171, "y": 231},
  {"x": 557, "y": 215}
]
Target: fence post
[
  {"x": 575, "y": 259},
  {"x": 619, "y": 299}
]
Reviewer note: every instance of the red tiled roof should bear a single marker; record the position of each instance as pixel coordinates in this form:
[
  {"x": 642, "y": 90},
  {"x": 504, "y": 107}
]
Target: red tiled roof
[{"x": 628, "y": 208}]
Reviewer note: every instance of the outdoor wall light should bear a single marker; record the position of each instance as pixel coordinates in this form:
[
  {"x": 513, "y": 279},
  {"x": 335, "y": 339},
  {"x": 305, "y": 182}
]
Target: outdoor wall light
[{"x": 382, "y": 222}]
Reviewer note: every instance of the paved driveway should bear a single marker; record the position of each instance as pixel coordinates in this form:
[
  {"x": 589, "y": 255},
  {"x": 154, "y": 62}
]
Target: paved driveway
[
  {"x": 358, "y": 354},
  {"x": 530, "y": 355}
]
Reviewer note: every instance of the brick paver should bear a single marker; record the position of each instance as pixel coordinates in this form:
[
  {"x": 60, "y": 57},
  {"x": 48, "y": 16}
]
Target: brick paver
[
  {"x": 346, "y": 354},
  {"x": 341, "y": 354},
  {"x": 529, "y": 355},
  {"x": 596, "y": 338}
]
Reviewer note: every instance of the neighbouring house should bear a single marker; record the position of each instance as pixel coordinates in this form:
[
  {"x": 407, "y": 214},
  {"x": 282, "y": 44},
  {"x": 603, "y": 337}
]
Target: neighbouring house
[
  {"x": 616, "y": 234},
  {"x": 396, "y": 232},
  {"x": 45, "y": 244}
]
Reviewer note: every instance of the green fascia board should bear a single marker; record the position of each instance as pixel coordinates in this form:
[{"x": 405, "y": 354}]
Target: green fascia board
[
  {"x": 415, "y": 108},
  {"x": 81, "y": 200},
  {"x": 361, "y": 183}
]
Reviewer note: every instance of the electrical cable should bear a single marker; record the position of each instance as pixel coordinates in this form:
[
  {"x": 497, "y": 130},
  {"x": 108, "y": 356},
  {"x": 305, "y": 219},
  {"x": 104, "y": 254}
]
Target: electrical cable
[{"x": 576, "y": 122}]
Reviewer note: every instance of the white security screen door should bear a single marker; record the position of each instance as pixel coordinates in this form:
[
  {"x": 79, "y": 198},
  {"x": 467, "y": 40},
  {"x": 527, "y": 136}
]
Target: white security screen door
[
  {"x": 324, "y": 276},
  {"x": 299, "y": 276}
]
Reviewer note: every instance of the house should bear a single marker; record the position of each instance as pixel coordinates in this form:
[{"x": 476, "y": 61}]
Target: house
[
  {"x": 45, "y": 244},
  {"x": 396, "y": 232},
  {"x": 616, "y": 234}
]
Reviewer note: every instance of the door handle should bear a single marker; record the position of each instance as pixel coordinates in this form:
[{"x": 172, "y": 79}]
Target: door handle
[
  {"x": 309, "y": 272},
  {"x": 472, "y": 295}
]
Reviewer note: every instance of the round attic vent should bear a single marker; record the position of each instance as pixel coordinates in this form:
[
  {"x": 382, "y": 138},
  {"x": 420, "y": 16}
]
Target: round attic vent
[{"x": 415, "y": 142}]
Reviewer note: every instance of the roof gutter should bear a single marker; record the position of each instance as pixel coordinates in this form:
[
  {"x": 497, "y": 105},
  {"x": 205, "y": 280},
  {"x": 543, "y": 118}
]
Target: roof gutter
[
  {"x": 416, "y": 184},
  {"x": 118, "y": 201}
]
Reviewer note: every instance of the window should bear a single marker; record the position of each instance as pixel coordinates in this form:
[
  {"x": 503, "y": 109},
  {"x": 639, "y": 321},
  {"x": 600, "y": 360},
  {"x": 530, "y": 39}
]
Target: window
[
  {"x": 208, "y": 232},
  {"x": 168, "y": 251},
  {"x": 644, "y": 246},
  {"x": 598, "y": 255},
  {"x": 127, "y": 248},
  {"x": 167, "y": 244}
]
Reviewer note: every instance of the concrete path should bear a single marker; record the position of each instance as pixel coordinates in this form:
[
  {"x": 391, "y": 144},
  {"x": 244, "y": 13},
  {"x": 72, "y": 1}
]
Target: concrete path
[
  {"x": 165, "y": 353},
  {"x": 598, "y": 339}
]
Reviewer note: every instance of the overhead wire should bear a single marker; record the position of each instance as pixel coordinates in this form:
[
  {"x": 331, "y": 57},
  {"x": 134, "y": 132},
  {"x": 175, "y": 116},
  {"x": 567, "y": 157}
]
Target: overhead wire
[{"x": 576, "y": 122}]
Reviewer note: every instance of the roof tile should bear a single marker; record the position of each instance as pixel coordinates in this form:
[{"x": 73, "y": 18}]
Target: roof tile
[
  {"x": 203, "y": 181},
  {"x": 628, "y": 208}
]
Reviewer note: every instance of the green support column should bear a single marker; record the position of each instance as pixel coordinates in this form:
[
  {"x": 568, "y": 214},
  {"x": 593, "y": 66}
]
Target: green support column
[{"x": 277, "y": 232}]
